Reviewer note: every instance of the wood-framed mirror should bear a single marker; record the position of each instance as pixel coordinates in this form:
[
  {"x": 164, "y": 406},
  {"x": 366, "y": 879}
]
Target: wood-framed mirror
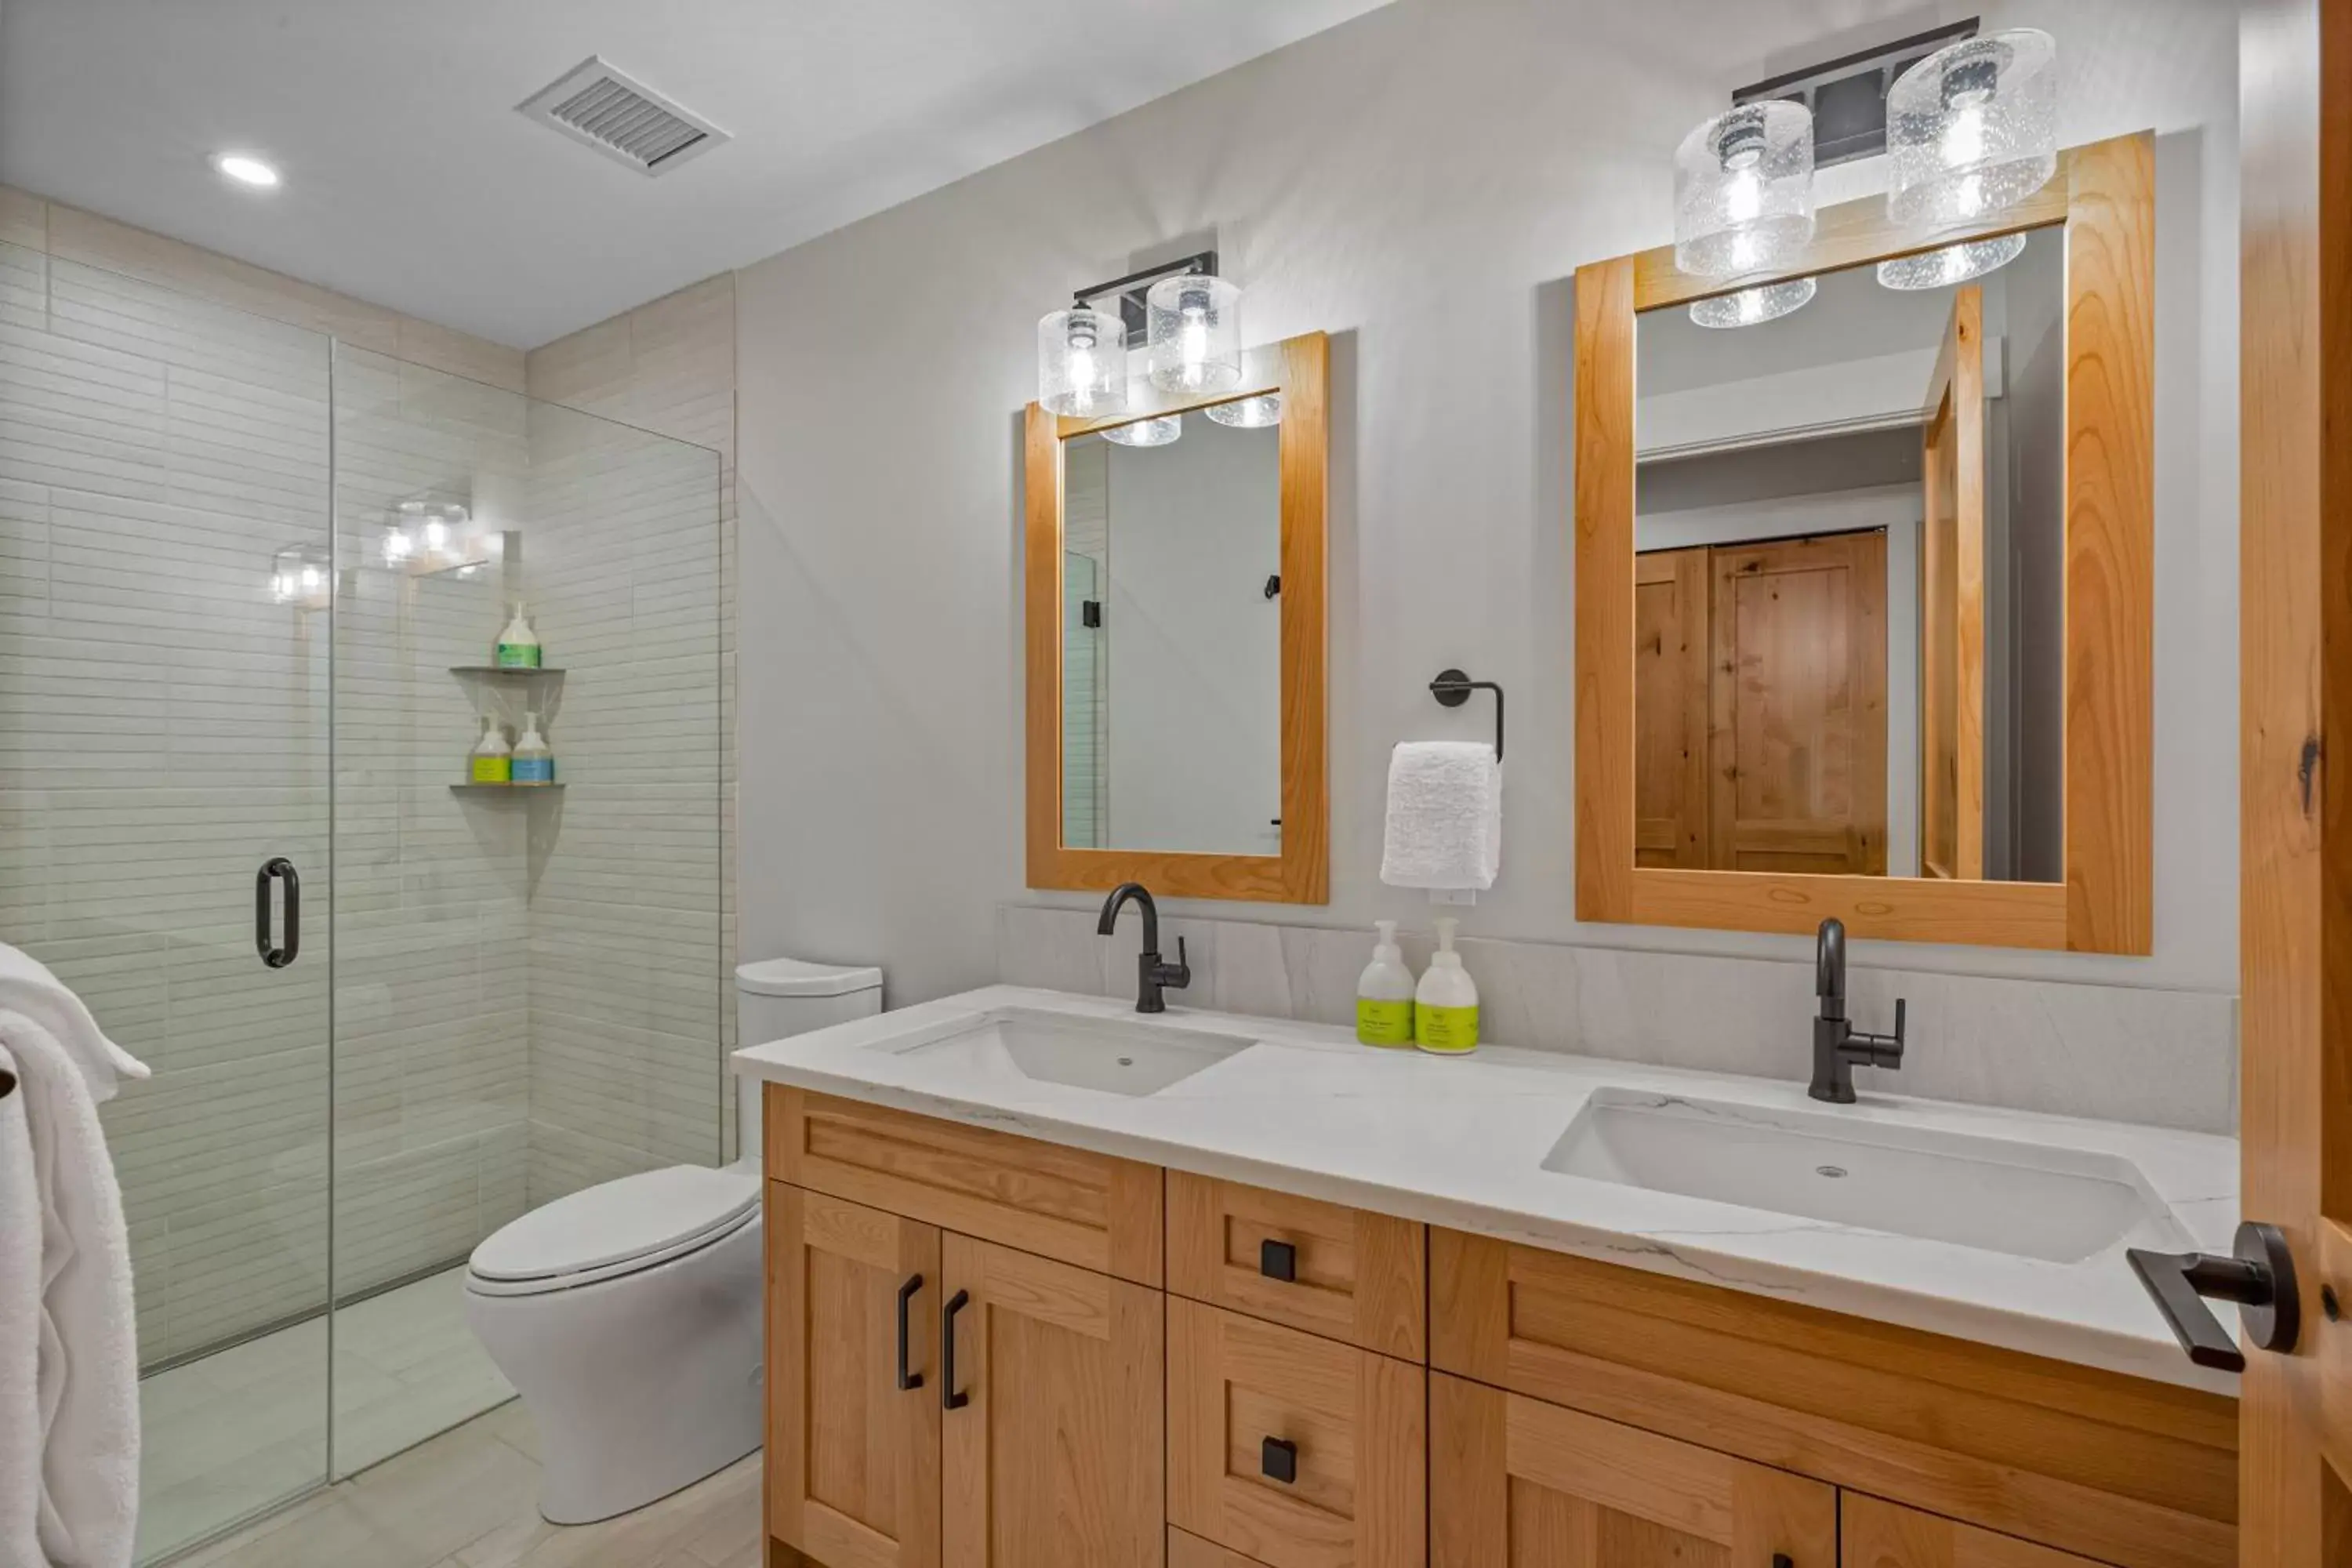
[
  {"x": 1175, "y": 638},
  {"x": 1865, "y": 591}
]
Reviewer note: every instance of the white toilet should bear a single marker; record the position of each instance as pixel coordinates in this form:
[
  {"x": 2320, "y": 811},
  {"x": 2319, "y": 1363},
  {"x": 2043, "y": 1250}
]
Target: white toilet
[{"x": 627, "y": 1315}]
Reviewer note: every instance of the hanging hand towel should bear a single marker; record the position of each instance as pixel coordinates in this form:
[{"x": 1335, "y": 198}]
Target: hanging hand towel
[
  {"x": 69, "y": 1337},
  {"x": 1445, "y": 815},
  {"x": 26, "y": 986}
]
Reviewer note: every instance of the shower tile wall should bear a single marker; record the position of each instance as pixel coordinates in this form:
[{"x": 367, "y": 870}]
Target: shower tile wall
[
  {"x": 622, "y": 559},
  {"x": 1085, "y": 693},
  {"x": 155, "y": 449}
]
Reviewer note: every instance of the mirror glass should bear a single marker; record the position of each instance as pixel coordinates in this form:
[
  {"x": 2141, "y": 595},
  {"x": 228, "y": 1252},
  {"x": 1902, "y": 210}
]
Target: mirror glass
[
  {"x": 1172, "y": 634},
  {"x": 1849, "y": 575}
]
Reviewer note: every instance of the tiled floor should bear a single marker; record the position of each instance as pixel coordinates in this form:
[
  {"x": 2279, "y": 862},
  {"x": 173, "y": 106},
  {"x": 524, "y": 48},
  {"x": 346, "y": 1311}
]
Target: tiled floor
[
  {"x": 468, "y": 1499},
  {"x": 237, "y": 1431}
]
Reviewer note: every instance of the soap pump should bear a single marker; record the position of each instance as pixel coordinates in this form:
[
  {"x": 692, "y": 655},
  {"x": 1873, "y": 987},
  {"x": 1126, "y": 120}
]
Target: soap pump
[
  {"x": 1384, "y": 995},
  {"x": 1445, "y": 1007}
]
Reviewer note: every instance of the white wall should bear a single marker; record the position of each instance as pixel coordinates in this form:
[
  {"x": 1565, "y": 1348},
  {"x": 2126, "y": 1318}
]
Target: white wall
[
  {"x": 1193, "y": 645},
  {"x": 1420, "y": 182}
]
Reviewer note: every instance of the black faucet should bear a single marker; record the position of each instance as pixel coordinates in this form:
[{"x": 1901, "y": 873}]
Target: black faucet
[
  {"x": 1837, "y": 1048},
  {"x": 1151, "y": 974}
]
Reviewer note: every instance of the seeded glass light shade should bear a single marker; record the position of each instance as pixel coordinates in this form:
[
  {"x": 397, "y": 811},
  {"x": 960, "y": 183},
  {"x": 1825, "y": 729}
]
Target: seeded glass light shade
[
  {"x": 1744, "y": 190},
  {"x": 1161, "y": 431},
  {"x": 1082, "y": 363},
  {"x": 1195, "y": 325},
  {"x": 1750, "y": 306},
  {"x": 1953, "y": 264},
  {"x": 1248, "y": 413},
  {"x": 1973, "y": 129}
]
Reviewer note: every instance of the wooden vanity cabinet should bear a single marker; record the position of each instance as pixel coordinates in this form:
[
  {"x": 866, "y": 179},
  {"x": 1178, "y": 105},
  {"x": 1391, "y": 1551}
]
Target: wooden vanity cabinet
[{"x": 1880, "y": 1534}]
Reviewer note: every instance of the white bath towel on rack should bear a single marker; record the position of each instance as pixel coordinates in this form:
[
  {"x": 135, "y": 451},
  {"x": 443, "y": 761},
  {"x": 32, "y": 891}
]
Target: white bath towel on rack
[
  {"x": 26, "y": 986},
  {"x": 1445, "y": 815},
  {"x": 68, "y": 1338}
]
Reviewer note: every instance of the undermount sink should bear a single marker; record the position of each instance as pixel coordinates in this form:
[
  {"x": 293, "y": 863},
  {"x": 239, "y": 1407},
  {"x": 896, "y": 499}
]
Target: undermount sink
[
  {"x": 1112, "y": 1058},
  {"x": 2062, "y": 1205}
]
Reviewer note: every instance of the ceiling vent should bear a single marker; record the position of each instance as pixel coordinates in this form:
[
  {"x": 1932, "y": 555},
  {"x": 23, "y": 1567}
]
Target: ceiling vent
[{"x": 622, "y": 118}]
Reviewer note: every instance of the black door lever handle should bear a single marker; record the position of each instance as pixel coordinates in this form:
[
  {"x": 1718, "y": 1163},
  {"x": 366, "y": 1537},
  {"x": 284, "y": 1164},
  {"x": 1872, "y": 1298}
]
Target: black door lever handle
[{"x": 2259, "y": 1277}]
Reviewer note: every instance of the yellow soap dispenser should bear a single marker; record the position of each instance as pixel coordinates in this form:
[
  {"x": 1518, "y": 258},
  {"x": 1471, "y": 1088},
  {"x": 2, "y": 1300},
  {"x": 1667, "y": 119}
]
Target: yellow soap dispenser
[{"x": 1445, "y": 1007}]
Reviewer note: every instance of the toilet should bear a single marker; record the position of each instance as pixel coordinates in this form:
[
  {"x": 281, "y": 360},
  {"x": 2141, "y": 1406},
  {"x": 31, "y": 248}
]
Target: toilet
[{"x": 627, "y": 1315}]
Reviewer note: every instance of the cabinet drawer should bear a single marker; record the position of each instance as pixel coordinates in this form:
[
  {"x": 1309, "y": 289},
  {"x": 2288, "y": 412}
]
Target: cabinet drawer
[
  {"x": 2116, "y": 1469},
  {"x": 1352, "y": 1275},
  {"x": 1087, "y": 1209},
  {"x": 1876, "y": 1534},
  {"x": 1191, "y": 1551},
  {"x": 1293, "y": 1449}
]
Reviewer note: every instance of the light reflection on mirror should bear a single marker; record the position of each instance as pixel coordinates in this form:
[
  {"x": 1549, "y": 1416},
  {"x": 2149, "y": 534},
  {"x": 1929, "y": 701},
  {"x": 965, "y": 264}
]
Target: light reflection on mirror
[
  {"x": 1849, "y": 575},
  {"x": 1171, "y": 633}
]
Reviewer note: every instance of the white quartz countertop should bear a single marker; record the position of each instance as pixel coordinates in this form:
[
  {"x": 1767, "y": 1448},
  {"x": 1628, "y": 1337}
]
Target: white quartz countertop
[{"x": 1462, "y": 1142}]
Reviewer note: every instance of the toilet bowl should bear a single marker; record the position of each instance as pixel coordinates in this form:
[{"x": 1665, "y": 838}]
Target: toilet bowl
[{"x": 627, "y": 1316}]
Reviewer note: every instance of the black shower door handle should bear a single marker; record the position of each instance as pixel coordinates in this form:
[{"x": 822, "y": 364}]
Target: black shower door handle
[{"x": 280, "y": 868}]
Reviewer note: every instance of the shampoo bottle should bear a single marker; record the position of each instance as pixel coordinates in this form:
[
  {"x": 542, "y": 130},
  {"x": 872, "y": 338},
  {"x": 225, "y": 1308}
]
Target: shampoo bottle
[
  {"x": 1445, "y": 1007},
  {"x": 493, "y": 759},
  {"x": 534, "y": 760},
  {"x": 1384, "y": 995},
  {"x": 519, "y": 644}
]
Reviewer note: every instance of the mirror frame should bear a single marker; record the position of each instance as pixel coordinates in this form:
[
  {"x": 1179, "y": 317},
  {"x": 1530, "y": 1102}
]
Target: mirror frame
[
  {"x": 1299, "y": 369},
  {"x": 2105, "y": 196}
]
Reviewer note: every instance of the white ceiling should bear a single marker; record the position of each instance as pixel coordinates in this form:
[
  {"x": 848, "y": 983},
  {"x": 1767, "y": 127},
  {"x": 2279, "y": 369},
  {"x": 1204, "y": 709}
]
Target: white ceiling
[{"x": 411, "y": 182}]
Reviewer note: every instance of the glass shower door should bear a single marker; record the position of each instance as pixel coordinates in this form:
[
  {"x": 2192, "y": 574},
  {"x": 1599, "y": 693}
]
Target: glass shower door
[{"x": 165, "y": 606}]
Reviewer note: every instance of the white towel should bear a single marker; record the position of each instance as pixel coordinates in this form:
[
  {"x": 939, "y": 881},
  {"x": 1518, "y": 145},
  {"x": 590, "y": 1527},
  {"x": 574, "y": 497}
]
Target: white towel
[
  {"x": 26, "y": 986},
  {"x": 69, "y": 1339},
  {"x": 1445, "y": 815}
]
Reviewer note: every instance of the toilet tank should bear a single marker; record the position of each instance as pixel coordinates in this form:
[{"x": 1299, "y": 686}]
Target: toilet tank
[{"x": 777, "y": 997}]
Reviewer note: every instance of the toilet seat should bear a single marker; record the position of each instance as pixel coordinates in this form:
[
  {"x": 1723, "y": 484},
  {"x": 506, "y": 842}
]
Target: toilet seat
[{"x": 615, "y": 1228}]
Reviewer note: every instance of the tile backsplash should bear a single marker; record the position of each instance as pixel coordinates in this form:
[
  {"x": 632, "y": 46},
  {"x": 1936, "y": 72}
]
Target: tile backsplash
[{"x": 2166, "y": 1059}]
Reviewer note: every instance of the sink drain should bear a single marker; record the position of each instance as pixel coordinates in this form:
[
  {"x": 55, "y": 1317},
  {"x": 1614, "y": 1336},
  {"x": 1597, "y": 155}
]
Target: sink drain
[
  {"x": 1129, "y": 1061},
  {"x": 1832, "y": 1172}
]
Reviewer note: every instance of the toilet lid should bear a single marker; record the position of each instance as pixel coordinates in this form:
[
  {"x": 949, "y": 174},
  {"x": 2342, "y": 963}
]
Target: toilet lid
[{"x": 618, "y": 1222}]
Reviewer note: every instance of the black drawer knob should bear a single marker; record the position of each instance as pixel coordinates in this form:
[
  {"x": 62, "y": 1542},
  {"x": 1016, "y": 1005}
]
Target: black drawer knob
[
  {"x": 1279, "y": 1460},
  {"x": 1278, "y": 1260}
]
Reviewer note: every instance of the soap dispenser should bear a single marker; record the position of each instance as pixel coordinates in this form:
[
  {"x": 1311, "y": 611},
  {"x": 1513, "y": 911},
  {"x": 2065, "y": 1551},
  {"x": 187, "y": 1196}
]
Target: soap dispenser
[
  {"x": 493, "y": 759},
  {"x": 534, "y": 759},
  {"x": 1384, "y": 995},
  {"x": 1445, "y": 1006},
  {"x": 518, "y": 645}
]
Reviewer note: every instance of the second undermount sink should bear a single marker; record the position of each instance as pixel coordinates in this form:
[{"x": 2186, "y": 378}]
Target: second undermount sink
[
  {"x": 1101, "y": 1054},
  {"x": 2061, "y": 1205}
]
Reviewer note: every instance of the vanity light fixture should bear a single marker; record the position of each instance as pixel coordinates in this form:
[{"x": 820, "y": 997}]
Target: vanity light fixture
[
  {"x": 302, "y": 575},
  {"x": 1744, "y": 190},
  {"x": 1750, "y": 306},
  {"x": 1953, "y": 264},
  {"x": 1162, "y": 431},
  {"x": 1082, "y": 362},
  {"x": 1258, "y": 413},
  {"x": 245, "y": 169},
  {"x": 1195, "y": 332},
  {"x": 1973, "y": 129}
]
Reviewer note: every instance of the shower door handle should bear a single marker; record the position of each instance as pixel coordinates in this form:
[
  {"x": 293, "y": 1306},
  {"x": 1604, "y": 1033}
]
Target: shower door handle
[{"x": 280, "y": 868}]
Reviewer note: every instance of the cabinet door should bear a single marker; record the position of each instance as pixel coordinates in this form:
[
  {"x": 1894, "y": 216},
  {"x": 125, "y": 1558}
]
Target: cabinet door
[
  {"x": 852, "y": 1458},
  {"x": 1880, "y": 1534},
  {"x": 1515, "y": 1483},
  {"x": 1054, "y": 1457}
]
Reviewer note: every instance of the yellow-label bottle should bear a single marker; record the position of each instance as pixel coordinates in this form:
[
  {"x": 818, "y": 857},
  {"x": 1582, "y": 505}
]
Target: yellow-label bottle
[
  {"x": 1384, "y": 995},
  {"x": 493, "y": 759},
  {"x": 1445, "y": 1006}
]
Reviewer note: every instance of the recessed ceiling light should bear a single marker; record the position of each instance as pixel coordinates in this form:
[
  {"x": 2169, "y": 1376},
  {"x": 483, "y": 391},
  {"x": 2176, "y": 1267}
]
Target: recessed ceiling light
[{"x": 245, "y": 170}]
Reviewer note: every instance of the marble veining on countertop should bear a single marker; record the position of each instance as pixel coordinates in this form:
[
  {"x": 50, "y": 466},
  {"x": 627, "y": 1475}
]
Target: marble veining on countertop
[{"x": 1463, "y": 1143}]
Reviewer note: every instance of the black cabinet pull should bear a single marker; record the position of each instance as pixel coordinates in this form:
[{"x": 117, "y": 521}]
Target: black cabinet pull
[
  {"x": 264, "y": 942},
  {"x": 1782, "y": 1560},
  {"x": 1278, "y": 1460},
  {"x": 907, "y": 1380},
  {"x": 1278, "y": 1260},
  {"x": 949, "y": 1398}
]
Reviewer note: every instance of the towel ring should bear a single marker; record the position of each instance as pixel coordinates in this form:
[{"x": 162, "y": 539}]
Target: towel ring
[
  {"x": 8, "y": 1083},
  {"x": 1453, "y": 688}
]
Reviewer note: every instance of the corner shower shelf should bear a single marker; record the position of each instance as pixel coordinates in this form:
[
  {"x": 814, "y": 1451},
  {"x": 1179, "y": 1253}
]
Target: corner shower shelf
[
  {"x": 501, "y": 671},
  {"x": 504, "y": 789}
]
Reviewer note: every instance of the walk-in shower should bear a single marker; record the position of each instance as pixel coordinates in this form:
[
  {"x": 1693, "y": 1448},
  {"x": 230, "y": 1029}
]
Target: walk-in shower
[{"x": 251, "y": 582}]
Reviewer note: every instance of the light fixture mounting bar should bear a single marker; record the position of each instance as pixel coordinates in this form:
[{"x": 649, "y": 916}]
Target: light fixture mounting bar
[
  {"x": 1133, "y": 288},
  {"x": 1848, "y": 95}
]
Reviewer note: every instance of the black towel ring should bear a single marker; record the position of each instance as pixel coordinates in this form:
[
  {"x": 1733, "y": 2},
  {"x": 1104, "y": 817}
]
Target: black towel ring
[
  {"x": 1453, "y": 688},
  {"x": 8, "y": 1083}
]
